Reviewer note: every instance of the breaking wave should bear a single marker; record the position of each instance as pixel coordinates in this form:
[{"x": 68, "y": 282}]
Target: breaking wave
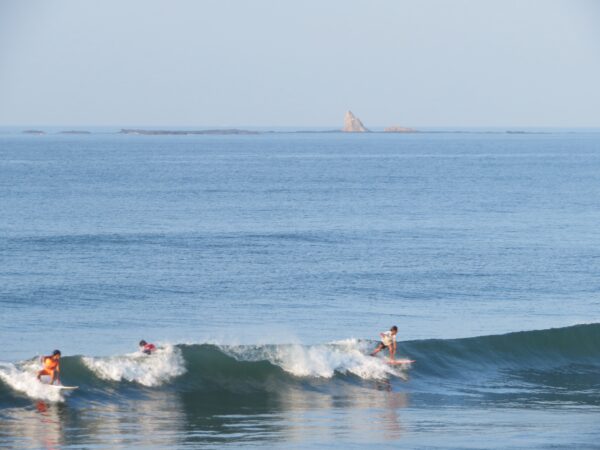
[
  {"x": 211, "y": 369},
  {"x": 165, "y": 364}
]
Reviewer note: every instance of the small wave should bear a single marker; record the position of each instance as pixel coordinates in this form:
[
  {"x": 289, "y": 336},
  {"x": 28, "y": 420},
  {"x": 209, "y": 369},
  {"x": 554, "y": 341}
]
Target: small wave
[
  {"x": 163, "y": 365},
  {"x": 524, "y": 349}
]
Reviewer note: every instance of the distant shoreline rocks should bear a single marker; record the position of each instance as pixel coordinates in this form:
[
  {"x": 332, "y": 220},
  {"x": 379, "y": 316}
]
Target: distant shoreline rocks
[
  {"x": 353, "y": 124},
  {"x": 41, "y": 132},
  {"x": 185, "y": 132}
]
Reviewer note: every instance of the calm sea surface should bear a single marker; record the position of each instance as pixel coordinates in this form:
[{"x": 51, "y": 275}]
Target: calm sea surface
[{"x": 265, "y": 267}]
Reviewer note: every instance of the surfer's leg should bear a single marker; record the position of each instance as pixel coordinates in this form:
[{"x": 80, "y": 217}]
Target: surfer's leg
[{"x": 378, "y": 349}]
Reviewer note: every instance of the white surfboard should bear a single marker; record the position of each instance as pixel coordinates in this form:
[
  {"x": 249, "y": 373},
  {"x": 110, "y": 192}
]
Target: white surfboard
[
  {"x": 60, "y": 387},
  {"x": 45, "y": 380}
]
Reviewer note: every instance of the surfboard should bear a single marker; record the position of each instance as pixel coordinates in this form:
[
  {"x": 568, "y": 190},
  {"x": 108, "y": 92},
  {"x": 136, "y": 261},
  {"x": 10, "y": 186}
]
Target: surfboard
[
  {"x": 398, "y": 362},
  {"x": 45, "y": 380},
  {"x": 60, "y": 387}
]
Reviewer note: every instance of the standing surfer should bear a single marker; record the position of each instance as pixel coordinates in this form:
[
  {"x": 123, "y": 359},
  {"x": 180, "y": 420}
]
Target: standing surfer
[
  {"x": 51, "y": 367},
  {"x": 388, "y": 340}
]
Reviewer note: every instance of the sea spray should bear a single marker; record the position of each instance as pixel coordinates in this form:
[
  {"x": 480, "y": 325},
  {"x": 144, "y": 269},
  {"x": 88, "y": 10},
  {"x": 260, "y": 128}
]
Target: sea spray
[
  {"x": 22, "y": 378},
  {"x": 324, "y": 361},
  {"x": 148, "y": 370}
]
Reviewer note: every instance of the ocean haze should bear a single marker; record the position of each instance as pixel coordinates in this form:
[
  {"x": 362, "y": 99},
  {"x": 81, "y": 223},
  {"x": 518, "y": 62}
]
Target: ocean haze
[{"x": 269, "y": 63}]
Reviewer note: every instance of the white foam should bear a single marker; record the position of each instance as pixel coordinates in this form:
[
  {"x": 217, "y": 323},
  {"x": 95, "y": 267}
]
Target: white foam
[
  {"x": 23, "y": 378},
  {"x": 148, "y": 370},
  {"x": 345, "y": 357}
]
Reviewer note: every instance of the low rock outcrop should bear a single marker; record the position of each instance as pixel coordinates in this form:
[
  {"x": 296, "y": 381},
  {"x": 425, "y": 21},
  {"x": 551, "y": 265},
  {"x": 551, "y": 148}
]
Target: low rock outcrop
[
  {"x": 184, "y": 132},
  {"x": 397, "y": 129}
]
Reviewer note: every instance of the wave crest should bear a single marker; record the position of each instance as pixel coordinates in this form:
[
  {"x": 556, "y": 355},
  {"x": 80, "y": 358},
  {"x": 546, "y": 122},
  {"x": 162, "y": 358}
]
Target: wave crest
[
  {"x": 162, "y": 366},
  {"x": 323, "y": 361}
]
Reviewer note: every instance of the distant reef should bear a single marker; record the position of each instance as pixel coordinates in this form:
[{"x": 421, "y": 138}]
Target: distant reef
[
  {"x": 397, "y": 129},
  {"x": 184, "y": 132},
  {"x": 75, "y": 132},
  {"x": 33, "y": 132}
]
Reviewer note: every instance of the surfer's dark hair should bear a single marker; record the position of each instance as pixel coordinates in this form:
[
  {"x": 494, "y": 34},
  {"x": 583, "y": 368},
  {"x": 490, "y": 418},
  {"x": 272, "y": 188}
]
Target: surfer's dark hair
[
  {"x": 142, "y": 342},
  {"x": 56, "y": 352},
  {"x": 394, "y": 328}
]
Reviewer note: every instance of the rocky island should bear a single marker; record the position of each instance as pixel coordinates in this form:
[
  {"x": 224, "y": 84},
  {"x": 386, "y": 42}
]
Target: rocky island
[{"x": 36, "y": 132}]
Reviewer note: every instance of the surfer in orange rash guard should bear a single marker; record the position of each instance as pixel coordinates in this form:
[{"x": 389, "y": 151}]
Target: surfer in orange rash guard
[{"x": 51, "y": 367}]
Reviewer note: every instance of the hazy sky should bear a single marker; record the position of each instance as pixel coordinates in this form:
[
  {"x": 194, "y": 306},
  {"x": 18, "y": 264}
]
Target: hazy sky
[{"x": 300, "y": 63}]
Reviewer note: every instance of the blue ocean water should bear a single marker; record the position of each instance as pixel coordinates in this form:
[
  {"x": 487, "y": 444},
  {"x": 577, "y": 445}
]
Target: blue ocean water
[{"x": 265, "y": 267}]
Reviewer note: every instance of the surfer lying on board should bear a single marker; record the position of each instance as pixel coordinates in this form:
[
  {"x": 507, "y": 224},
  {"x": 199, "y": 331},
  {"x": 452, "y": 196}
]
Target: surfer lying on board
[
  {"x": 388, "y": 340},
  {"x": 146, "y": 348},
  {"x": 51, "y": 367}
]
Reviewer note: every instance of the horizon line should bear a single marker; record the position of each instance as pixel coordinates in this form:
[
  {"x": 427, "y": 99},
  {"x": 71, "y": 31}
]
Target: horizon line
[{"x": 303, "y": 127}]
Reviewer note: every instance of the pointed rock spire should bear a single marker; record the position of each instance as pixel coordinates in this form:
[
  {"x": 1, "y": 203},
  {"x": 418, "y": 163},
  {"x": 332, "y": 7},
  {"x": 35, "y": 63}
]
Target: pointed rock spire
[{"x": 352, "y": 124}]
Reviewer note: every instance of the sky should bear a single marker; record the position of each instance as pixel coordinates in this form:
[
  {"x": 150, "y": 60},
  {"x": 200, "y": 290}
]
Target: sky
[{"x": 261, "y": 63}]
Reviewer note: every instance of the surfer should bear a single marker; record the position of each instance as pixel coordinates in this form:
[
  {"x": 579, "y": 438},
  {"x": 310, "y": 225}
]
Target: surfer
[
  {"x": 51, "y": 367},
  {"x": 388, "y": 340},
  {"x": 146, "y": 348}
]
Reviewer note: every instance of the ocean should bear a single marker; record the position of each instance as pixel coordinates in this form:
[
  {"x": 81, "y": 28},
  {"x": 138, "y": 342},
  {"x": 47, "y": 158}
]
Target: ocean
[{"x": 264, "y": 268}]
